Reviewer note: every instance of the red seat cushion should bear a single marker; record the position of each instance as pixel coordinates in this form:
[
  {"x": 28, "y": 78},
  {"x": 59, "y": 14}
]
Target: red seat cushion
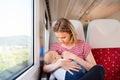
[{"x": 110, "y": 59}]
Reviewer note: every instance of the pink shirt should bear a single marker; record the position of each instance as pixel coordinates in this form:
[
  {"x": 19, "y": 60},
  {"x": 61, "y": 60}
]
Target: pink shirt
[{"x": 80, "y": 49}]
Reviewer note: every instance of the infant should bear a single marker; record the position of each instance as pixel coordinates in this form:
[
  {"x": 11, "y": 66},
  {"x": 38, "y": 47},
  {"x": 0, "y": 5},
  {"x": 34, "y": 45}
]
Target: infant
[{"x": 60, "y": 73}]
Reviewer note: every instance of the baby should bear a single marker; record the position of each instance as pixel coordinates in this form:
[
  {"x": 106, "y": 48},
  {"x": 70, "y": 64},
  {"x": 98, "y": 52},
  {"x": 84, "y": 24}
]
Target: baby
[{"x": 61, "y": 74}]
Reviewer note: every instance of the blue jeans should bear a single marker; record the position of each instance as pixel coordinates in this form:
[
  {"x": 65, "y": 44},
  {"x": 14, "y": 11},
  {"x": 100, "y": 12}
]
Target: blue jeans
[{"x": 76, "y": 75}]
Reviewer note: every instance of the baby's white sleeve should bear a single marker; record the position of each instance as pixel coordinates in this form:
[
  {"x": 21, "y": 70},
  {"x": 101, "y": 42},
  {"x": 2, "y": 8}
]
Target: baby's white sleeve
[{"x": 52, "y": 77}]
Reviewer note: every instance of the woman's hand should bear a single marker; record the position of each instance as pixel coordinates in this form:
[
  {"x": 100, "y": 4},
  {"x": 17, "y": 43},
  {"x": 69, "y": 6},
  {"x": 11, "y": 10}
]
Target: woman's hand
[
  {"x": 68, "y": 65},
  {"x": 68, "y": 55}
]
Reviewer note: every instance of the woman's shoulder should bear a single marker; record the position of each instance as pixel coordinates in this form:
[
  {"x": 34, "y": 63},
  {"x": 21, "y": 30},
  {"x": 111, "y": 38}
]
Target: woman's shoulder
[
  {"x": 82, "y": 42},
  {"x": 55, "y": 44}
]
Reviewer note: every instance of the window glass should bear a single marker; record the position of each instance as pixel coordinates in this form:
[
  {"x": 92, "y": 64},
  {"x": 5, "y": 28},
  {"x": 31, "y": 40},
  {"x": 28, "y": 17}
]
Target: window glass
[{"x": 16, "y": 37}]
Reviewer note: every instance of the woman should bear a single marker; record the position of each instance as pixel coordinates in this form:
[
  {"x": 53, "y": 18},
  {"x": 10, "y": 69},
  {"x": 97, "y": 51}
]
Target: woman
[{"x": 77, "y": 50}]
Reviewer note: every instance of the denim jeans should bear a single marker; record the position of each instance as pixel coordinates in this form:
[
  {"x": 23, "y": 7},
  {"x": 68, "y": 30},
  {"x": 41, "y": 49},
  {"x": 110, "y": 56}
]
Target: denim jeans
[{"x": 76, "y": 75}]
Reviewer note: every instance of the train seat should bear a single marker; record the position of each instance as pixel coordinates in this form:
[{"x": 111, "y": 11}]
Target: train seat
[{"x": 104, "y": 37}]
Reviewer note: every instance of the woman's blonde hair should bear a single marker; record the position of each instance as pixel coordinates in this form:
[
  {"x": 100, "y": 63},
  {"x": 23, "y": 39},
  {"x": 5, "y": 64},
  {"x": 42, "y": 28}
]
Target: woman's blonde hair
[{"x": 64, "y": 25}]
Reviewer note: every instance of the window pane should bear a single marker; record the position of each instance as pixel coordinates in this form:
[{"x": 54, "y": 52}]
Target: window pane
[{"x": 16, "y": 36}]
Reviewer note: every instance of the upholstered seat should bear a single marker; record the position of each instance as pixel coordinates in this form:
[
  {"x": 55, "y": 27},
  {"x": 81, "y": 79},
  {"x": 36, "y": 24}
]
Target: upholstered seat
[{"x": 104, "y": 37}]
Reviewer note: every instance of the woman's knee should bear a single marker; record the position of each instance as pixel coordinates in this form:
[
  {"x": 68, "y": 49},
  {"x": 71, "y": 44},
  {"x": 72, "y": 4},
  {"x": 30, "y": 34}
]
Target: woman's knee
[
  {"x": 97, "y": 72},
  {"x": 100, "y": 69}
]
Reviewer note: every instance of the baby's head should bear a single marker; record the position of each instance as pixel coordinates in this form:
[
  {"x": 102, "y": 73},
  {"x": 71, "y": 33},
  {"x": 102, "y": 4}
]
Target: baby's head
[{"x": 51, "y": 57}]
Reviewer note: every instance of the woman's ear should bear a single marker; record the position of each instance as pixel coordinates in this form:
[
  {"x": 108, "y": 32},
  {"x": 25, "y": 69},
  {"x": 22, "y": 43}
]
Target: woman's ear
[{"x": 55, "y": 58}]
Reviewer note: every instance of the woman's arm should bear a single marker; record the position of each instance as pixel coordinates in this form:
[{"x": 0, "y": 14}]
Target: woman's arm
[
  {"x": 51, "y": 67},
  {"x": 63, "y": 63},
  {"x": 88, "y": 63}
]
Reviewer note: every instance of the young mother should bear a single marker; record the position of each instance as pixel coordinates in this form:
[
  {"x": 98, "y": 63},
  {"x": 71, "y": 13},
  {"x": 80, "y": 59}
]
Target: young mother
[{"x": 77, "y": 50}]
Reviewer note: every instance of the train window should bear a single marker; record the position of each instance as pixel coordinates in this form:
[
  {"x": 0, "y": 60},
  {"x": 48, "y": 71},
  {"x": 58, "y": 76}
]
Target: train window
[{"x": 16, "y": 37}]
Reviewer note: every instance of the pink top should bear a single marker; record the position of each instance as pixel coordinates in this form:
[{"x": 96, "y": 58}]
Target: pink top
[{"x": 80, "y": 49}]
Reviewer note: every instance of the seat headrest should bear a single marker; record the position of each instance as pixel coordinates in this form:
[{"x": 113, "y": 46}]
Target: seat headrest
[{"x": 103, "y": 33}]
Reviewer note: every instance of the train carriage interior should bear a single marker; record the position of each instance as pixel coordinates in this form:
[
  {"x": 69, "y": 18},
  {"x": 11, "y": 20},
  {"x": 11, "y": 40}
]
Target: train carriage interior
[
  {"x": 26, "y": 34},
  {"x": 100, "y": 19}
]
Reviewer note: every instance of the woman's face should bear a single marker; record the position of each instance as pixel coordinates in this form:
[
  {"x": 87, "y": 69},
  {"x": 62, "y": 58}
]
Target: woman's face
[{"x": 63, "y": 37}]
